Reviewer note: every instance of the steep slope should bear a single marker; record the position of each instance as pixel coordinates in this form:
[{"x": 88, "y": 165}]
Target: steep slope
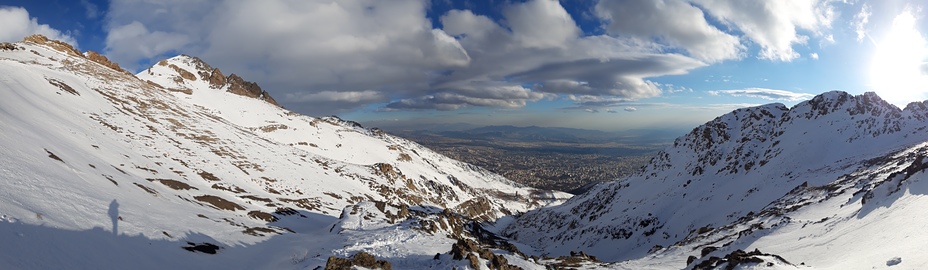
[
  {"x": 89, "y": 150},
  {"x": 790, "y": 181}
]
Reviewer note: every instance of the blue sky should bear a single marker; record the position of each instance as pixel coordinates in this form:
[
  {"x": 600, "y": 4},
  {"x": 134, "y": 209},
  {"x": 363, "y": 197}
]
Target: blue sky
[{"x": 597, "y": 64}]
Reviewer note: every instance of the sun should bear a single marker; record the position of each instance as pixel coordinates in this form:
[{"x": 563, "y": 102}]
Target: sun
[{"x": 898, "y": 72}]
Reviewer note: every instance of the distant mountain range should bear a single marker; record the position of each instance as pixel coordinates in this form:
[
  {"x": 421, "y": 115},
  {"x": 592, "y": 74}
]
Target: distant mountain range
[{"x": 510, "y": 133}]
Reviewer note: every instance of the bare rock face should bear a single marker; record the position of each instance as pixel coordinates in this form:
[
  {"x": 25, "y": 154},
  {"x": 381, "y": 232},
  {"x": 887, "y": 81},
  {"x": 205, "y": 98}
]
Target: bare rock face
[
  {"x": 241, "y": 87},
  {"x": 100, "y": 59},
  {"x": 190, "y": 68},
  {"x": 216, "y": 79},
  {"x": 55, "y": 44},
  {"x": 360, "y": 259}
]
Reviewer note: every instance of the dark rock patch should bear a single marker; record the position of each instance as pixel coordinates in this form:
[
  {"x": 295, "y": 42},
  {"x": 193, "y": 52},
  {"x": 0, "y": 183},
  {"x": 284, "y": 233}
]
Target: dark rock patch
[
  {"x": 361, "y": 259},
  {"x": 207, "y": 248},
  {"x": 219, "y": 203}
]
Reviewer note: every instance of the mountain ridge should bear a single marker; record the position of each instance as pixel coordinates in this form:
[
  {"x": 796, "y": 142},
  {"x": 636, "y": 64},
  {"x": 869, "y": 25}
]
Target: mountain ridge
[
  {"x": 199, "y": 176},
  {"x": 89, "y": 148},
  {"x": 725, "y": 172}
]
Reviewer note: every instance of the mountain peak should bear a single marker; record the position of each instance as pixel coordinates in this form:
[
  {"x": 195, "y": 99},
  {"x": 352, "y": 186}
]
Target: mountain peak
[
  {"x": 54, "y": 44},
  {"x": 183, "y": 73},
  {"x": 731, "y": 173}
]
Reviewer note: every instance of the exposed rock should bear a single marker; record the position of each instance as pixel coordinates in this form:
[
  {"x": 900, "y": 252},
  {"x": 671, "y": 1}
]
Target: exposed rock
[
  {"x": 738, "y": 257},
  {"x": 183, "y": 73},
  {"x": 466, "y": 248},
  {"x": 174, "y": 184},
  {"x": 462, "y": 248},
  {"x": 6, "y": 46},
  {"x": 894, "y": 261},
  {"x": 100, "y": 59},
  {"x": 360, "y": 259},
  {"x": 262, "y": 216},
  {"x": 241, "y": 87},
  {"x": 54, "y": 44},
  {"x": 63, "y": 86},
  {"x": 219, "y": 202},
  {"x": 216, "y": 79}
]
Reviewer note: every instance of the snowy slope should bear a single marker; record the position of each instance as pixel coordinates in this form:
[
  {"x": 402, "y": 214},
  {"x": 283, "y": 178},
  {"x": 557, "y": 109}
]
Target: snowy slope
[
  {"x": 91, "y": 156},
  {"x": 787, "y": 181}
]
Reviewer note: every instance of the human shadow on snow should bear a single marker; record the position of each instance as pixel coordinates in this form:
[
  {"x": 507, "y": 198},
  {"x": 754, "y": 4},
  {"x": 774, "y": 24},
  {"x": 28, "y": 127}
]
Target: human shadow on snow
[{"x": 30, "y": 246}]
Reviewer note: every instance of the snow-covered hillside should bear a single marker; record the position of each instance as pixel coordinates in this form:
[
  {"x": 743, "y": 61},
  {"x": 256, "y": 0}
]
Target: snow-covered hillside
[
  {"x": 183, "y": 167},
  {"x": 101, "y": 169},
  {"x": 835, "y": 182}
]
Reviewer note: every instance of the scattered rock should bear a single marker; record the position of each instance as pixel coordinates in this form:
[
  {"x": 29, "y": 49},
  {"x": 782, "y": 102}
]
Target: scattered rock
[
  {"x": 54, "y": 44},
  {"x": 219, "y": 202},
  {"x": 100, "y": 59},
  {"x": 208, "y": 176},
  {"x": 894, "y": 261},
  {"x": 465, "y": 249},
  {"x": 360, "y": 259},
  {"x": 6, "y": 46},
  {"x": 262, "y": 216},
  {"x": 173, "y": 184},
  {"x": 736, "y": 258},
  {"x": 53, "y": 156}
]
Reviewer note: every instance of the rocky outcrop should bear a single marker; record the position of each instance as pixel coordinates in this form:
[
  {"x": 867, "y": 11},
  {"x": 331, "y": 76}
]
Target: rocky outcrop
[
  {"x": 360, "y": 259},
  {"x": 54, "y": 44},
  {"x": 466, "y": 248},
  {"x": 184, "y": 69},
  {"x": 100, "y": 59},
  {"x": 241, "y": 87}
]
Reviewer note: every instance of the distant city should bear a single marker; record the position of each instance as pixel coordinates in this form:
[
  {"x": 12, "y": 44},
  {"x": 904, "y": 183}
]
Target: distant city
[{"x": 570, "y": 160}]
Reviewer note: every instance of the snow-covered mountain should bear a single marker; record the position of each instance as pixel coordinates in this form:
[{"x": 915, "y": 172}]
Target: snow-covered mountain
[
  {"x": 836, "y": 182},
  {"x": 103, "y": 169},
  {"x": 183, "y": 167}
]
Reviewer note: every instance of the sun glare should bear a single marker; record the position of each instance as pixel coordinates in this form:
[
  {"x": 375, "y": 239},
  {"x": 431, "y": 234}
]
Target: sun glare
[{"x": 896, "y": 72}]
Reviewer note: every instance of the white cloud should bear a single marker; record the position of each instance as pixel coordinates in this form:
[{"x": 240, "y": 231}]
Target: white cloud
[
  {"x": 764, "y": 93},
  {"x": 325, "y": 55},
  {"x": 333, "y": 96},
  {"x": 600, "y": 101},
  {"x": 307, "y": 50},
  {"x": 814, "y": 56},
  {"x": 677, "y": 22},
  {"x": 90, "y": 9},
  {"x": 133, "y": 41},
  {"x": 861, "y": 19},
  {"x": 773, "y": 24},
  {"x": 16, "y": 24},
  {"x": 630, "y": 109},
  {"x": 500, "y": 96},
  {"x": 541, "y": 24}
]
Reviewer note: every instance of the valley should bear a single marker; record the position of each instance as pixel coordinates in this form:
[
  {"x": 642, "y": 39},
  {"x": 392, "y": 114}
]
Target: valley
[{"x": 567, "y": 164}]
